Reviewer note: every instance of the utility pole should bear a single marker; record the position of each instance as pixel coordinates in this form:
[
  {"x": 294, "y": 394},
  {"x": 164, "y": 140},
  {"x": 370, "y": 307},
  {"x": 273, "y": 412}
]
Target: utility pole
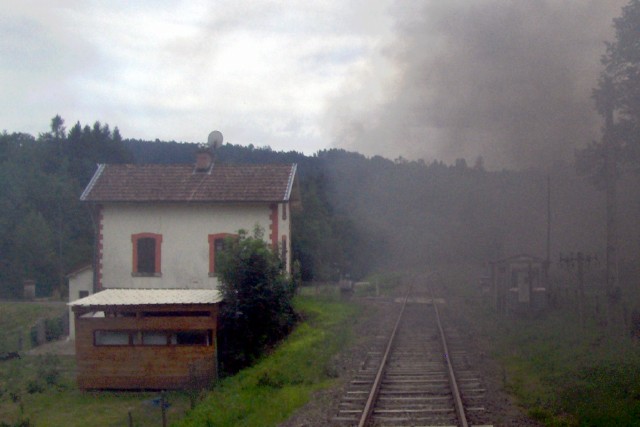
[
  {"x": 547, "y": 261},
  {"x": 611, "y": 178}
]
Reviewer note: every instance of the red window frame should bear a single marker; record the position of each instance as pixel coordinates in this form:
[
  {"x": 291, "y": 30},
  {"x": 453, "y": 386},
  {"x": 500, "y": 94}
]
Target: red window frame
[
  {"x": 158, "y": 254},
  {"x": 212, "y": 250}
]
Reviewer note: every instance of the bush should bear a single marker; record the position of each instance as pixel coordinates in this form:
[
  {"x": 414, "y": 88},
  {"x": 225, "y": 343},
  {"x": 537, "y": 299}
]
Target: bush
[
  {"x": 257, "y": 309},
  {"x": 35, "y": 386},
  {"x": 49, "y": 369},
  {"x": 33, "y": 335},
  {"x": 603, "y": 394},
  {"x": 20, "y": 423},
  {"x": 53, "y": 329}
]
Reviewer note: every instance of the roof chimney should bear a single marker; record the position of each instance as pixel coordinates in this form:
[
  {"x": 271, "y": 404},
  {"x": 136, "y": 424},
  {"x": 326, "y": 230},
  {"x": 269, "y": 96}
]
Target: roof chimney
[
  {"x": 204, "y": 160},
  {"x": 205, "y": 155}
]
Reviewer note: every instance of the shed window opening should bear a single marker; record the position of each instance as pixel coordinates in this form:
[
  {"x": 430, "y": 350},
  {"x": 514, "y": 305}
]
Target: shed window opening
[
  {"x": 202, "y": 338},
  {"x": 118, "y": 338},
  {"x": 153, "y": 338}
]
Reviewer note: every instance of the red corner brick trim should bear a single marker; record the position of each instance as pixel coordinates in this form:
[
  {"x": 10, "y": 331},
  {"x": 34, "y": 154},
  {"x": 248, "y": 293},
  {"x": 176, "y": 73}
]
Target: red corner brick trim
[
  {"x": 274, "y": 225},
  {"x": 284, "y": 252},
  {"x": 158, "y": 239},
  {"x": 212, "y": 248}
]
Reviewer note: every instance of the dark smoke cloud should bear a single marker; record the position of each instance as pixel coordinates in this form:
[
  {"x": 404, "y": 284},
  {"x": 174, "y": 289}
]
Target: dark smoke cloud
[{"x": 508, "y": 80}]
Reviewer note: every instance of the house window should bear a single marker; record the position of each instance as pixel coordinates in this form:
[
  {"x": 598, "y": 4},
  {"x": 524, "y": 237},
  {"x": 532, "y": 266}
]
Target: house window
[
  {"x": 146, "y": 254},
  {"x": 83, "y": 294},
  {"x": 216, "y": 246},
  {"x": 284, "y": 212}
]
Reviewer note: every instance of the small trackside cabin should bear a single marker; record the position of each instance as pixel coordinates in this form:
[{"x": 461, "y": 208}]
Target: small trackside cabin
[
  {"x": 518, "y": 284},
  {"x": 146, "y": 339}
]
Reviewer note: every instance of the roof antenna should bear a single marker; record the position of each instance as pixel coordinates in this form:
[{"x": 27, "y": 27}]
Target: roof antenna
[{"x": 214, "y": 141}]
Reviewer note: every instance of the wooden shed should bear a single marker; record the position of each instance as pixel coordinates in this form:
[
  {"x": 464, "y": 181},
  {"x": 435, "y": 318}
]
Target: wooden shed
[{"x": 146, "y": 338}]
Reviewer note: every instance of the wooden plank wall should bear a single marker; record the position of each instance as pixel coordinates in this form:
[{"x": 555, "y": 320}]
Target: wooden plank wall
[{"x": 145, "y": 367}]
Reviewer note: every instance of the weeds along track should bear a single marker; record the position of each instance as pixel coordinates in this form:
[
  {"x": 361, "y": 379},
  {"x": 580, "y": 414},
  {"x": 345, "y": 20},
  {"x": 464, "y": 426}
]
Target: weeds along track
[{"x": 410, "y": 378}]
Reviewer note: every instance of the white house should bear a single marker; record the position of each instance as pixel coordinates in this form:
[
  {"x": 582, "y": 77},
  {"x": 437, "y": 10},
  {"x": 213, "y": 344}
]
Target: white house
[{"x": 160, "y": 226}]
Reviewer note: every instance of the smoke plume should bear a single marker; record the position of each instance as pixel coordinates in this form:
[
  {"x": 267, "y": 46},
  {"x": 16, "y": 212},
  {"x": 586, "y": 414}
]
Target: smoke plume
[{"x": 506, "y": 80}]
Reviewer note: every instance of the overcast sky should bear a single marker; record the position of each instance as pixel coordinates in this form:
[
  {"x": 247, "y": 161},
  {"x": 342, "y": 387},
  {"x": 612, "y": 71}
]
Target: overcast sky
[{"x": 508, "y": 80}]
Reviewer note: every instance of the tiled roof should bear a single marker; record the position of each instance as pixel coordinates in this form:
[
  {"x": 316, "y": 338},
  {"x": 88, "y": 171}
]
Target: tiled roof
[
  {"x": 180, "y": 183},
  {"x": 111, "y": 297}
]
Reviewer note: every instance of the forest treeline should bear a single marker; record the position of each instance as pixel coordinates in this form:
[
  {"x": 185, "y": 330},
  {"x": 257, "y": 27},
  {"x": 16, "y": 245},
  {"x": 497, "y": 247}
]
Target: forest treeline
[{"x": 358, "y": 215}]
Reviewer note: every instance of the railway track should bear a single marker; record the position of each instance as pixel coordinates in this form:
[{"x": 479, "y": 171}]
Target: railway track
[{"x": 417, "y": 375}]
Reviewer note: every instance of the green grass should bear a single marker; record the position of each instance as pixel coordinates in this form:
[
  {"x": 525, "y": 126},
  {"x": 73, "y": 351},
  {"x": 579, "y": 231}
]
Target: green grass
[
  {"x": 17, "y": 318},
  {"x": 42, "y": 389},
  {"x": 30, "y": 389},
  {"x": 565, "y": 375},
  {"x": 268, "y": 392},
  {"x": 561, "y": 373}
]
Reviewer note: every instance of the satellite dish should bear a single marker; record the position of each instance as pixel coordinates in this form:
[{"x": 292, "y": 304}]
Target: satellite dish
[{"x": 215, "y": 139}]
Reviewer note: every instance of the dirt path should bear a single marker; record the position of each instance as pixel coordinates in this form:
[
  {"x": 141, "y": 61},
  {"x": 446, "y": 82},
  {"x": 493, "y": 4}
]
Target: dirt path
[{"x": 63, "y": 347}]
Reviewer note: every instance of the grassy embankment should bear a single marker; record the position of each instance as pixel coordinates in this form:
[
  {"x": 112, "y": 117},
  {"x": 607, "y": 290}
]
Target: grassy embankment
[
  {"x": 17, "y": 318},
  {"x": 42, "y": 389},
  {"x": 268, "y": 392},
  {"x": 561, "y": 373}
]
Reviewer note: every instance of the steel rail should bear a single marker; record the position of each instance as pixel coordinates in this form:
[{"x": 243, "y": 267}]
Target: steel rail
[
  {"x": 457, "y": 400},
  {"x": 373, "y": 395}
]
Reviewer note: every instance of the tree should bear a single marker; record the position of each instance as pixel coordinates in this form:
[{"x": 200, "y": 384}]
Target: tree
[
  {"x": 44, "y": 229},
  {"x": 257, "y": 309},
  {"x": 617, "y": 98},
  {"x": 618, "y": 88},
  {"x": 57, "y": 128}
]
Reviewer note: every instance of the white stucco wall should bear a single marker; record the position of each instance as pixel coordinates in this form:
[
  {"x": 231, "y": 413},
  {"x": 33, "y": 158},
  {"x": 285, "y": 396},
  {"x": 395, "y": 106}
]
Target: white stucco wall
[
  {"x": 285, "y": 229},
  {"x": 185, "y": 246},
  {"x": 81, "y": 281}
]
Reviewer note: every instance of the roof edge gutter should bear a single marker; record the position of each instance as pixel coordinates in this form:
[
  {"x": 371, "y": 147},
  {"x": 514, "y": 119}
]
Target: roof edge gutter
[
  {"x": 95, "y": 177},
  {"x": 292, "y": 175}
]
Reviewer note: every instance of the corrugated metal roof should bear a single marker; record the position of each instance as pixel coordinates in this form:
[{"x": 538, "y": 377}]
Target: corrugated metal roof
[
  {"x": 121, "y": 297},
  {"x": 179, "y": 183}
]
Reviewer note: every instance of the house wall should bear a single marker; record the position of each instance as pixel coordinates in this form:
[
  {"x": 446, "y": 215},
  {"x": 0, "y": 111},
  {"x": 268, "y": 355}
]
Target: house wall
[
  {"x": 81, "y": 281},
  {"x": 284, "y": 230},
  {"x": 185, "y": 247},
  {"x": 139, "y": 367}
]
